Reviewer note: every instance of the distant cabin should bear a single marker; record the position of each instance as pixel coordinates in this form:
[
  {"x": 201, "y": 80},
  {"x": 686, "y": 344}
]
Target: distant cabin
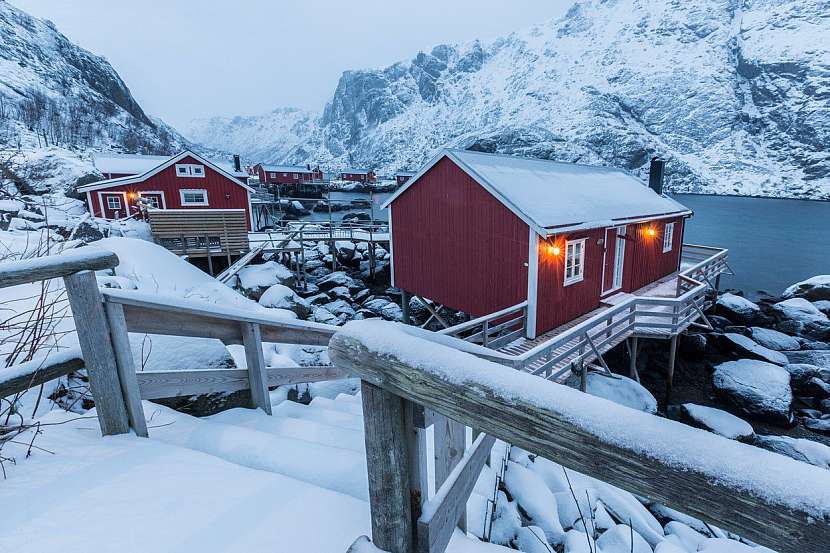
[
  {"x": 114, "y": 166},
  {"x": 287, "y": 174},
  {"x": 402, "y": 176},
  {"x": 357, "y": 175},
  {"x": 482, "y": 232}
]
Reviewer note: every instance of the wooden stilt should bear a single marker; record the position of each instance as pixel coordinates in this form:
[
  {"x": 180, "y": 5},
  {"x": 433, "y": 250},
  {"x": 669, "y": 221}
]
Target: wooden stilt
[
  {"x": 632, "y": 358},
  {"x": 670, "y": 374},
  {"x": 405, "y": 307},
  {"x": 583, "y": 377}
]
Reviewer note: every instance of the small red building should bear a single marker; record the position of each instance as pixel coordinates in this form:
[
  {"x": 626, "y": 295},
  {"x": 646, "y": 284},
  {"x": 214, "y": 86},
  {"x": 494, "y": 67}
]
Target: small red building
[
  {"x": 287, "y": 174},
  {"x": 482, "y": 232},
  {"x": 357, "y": 175},
  {"x": 185, "y": 181},
  {"x": 402, "y": 176}
]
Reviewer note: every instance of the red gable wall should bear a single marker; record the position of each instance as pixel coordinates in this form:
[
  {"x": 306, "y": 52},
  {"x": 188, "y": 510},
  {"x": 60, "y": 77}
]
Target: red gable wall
[
  {"x": 223, "y": 192},
  {"x": 456, "y": 244}
]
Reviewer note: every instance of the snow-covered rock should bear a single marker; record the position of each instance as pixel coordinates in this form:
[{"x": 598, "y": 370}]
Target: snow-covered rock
[
  {"x": 737, "y": 308},
  {"x": 577, "y": 541},
  {"x": 283, "y": 297},
  {"x": 535, "y": 499},
  {"x": 800, "y": 449},
  {"x": 506, "y": 520},
  {"x": 255, "y": 279},
  {"x": 717, "y": 421},
  {"x": 823, "y": 306},
  {"x": 323, "y": 315},
  {"x": 817, "y": 425},
  {"x": 757, "y": 388},
  {"x": 746, "y": 347},
  {"x": 337, "y": 279},
  {"x": 622, "y": 390},
  {"x": 819, "y": 358},
  {"x": 813, "y": 289},
  {"x": 621, "y": 539},
  {"x": 687, "y": 536},
  {"x": 723, "y": 545},
  {"x": 531, "y": 539},
  {"x": 340, "y": 307},
  {"x": 799, "y": 316},
  {"x": 772, "y": 339},
  {"x": 345, "y": 249}
]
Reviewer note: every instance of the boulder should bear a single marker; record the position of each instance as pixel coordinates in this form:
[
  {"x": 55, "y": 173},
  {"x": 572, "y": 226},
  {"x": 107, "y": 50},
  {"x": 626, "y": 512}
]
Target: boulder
[
  {"x": 318, "y": 299},
  {"x": 322, "y": 315},
  {"x": 282, "y": 297},
  {"x": 746, "y": 348},
  {"x": 310, "y": 290},
  {"x": 819, "y": 358},
  {"x": 824, "y": 405},
  {"x": 817, "y": 388},
  {"x": 254, "y": 280},
  {"x": 336, "y": 279},
  {"x": 799, "y": 449},
  {"x": 801, "y": 373},
  {"x": 340, "y": 293},
  {"x": 817, "y": 425},
  {"x": 623, "y": 538},
  {"x": 345, "y": 250},
  {"x": 823, "y": 306},
  {"x": 736, "y": 308},
  {"x": 715, "y": 420},
  {"x": 799, "y": 316},
  {"x": 340, "y": 307},
  {"x": 718, "y": 322},
  {"x": 622, "y": 390},
  {"x": 692, "y": 344},
  {"x": 772, "y": 339},
  {"x": 87, "y": 232},
  {"x": 813, "y": 289},
  {"x": 757, "y": 388},
  {"x": 362, "y": 295}
]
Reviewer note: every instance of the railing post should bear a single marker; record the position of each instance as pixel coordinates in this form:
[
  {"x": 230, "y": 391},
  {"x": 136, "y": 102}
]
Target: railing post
[
  {"x": 257, "y": 377},
  {"x": 126, "y": 367},
  {"x": 96, "y": 346},
  {"x": 388, "y": 467},
  {"x": 485, "y": 327},
  {"x": 450, "y": 440}
]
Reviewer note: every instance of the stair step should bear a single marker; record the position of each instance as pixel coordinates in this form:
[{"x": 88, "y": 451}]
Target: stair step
[
  {"x": 344, "y": 406},
  {"x": 319, "y": 414},
  {"x": 293, "y": 428}
]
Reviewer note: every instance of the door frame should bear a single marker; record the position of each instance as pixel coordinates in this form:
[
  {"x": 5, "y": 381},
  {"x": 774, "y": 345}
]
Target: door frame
[
  {"x": 105, "y": 209},
  {"x": 619, "y": 261}
]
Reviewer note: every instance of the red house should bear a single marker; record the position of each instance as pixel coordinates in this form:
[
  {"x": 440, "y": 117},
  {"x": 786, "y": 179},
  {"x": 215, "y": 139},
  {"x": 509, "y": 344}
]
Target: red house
[
  {"x": 113, "y": 165},
  {"x": 287, "y": 174},
  {"x": 183, "y": 182},
  {"x": 357, "y": 175},
  {"x": 482, "y": 232},
  {"x": 402, "y": 176}
]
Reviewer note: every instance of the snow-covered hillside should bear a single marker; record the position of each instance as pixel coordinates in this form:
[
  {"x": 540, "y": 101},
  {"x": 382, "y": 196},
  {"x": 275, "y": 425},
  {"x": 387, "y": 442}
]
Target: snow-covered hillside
[
  {"x": 59, "y": 101},
  {"x": 734, "y": 93},
  {"x": 254, "y": 136}
]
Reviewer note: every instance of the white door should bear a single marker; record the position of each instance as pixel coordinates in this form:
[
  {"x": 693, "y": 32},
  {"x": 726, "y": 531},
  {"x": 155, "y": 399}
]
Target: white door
[{"x": 619, "y": 258}]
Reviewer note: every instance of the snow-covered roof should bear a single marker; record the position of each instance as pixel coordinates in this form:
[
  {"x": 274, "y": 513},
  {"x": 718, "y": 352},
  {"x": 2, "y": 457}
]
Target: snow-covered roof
[
  {"x": 136, "y": 164},
  {"x": 404, "y": 173},
  {"x": 219, "y": 167},
  {"x": 354, "y": 171},
  {"x": 286, "y": 168},
  {"x": 555, "y": 197}
]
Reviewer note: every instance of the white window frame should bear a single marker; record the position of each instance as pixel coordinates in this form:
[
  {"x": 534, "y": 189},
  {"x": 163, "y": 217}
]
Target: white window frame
[
  {"x": 112, "y": 207},
  {"x": 184, "y": 191},
  {"x": 273, "y": 175},
  {"x": 668, "y": 237},
  {"x": 570, "y": 249},
  {"x": 187, "y": 170},
  {"x": 155, "y": 193}
]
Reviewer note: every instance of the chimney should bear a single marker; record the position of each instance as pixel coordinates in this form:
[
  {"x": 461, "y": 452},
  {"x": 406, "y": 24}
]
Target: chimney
[
  {"x": 655, "y": 174},
  {"x": 237, "y": 163}
]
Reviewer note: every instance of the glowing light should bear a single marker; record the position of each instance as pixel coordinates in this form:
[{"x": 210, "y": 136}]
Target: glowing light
[
  {"x": 554, "y": 250},
  {"x": 651, "y": 232},
  {"x": 132, "y": 195}
]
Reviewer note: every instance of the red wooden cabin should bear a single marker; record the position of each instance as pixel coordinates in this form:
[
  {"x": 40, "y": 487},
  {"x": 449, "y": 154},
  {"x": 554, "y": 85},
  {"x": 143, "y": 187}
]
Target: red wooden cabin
[
  {"x": 357, "y": 175},
  {"x": 402, "y": 176},
  {"x": 114, "y": 166},
  {"x": 185, "y": 181},
  {"x": 482, "y": 232},
  {"x": 287, "y": 174}
]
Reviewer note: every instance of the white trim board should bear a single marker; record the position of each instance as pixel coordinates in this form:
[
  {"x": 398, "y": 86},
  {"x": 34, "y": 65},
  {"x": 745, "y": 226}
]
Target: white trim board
[{"x": 532, "y": 283}]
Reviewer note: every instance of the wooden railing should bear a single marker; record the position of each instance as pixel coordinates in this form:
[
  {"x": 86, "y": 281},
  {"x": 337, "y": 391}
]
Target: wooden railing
[
  {"x": 762, "y": 496},
  {"x": 494, "y": 330}
]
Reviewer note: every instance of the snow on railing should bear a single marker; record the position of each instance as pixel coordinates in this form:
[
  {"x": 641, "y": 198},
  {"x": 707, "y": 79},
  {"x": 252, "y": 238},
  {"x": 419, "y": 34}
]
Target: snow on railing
[{"x": 760, "y": 495}]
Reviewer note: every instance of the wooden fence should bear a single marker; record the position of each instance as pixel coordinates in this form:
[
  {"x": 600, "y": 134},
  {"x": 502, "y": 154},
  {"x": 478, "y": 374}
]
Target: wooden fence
[{"x": 721, "y": 481}]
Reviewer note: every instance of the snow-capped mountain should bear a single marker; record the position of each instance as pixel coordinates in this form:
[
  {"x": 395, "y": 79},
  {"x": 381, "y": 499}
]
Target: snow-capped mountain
[
  {"x": 735, "y": 94},
  {"x": 58, "y": 102},
  {"x": 254, "y": 135}
]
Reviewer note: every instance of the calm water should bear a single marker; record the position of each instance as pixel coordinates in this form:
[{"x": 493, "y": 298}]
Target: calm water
[
  {"x": 772, "y": 243},
  {"x": 344, "y": 198}
]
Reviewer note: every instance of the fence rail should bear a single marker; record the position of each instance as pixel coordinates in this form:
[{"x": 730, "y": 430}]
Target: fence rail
[{"x": 721, "y": 481}]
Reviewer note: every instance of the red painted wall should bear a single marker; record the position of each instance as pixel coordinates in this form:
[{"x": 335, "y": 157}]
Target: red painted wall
[
  {"x": 358, "y": 177},
  {"x": 283, "y": 177},
  {"x": 456, "y": 244},
  {"x": 223, "y": 193},
  {"x": 645, "y": 261},
  {"x": 556, "y": 303}
]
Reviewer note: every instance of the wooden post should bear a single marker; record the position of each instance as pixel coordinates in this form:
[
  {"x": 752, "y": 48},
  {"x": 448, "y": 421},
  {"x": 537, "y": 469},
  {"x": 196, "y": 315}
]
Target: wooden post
[
  {"x": 632, "y": 359},
  {"x": 449, "y": 449},
  {"x": 405, "y": 307},
  {"x": 257, "y": 376},
  {"x": 670, "y": 373},
  {"x": 371, "y": 254},
  {"x": 126, "y": 367},
  {"x": 209, "y": 259},
  {"x": 416, "y": 425},
  {"x": 99, "y": 357},
  {"x": 388, "y": 467},
  {"x": 485, "y": 328}
]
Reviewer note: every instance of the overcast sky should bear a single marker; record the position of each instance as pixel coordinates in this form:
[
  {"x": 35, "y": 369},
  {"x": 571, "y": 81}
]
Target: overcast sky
[{"x": 184, "y": 59}]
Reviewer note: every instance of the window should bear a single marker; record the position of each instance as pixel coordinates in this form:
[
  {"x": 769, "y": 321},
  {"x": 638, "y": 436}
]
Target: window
[
  {"x": 190, "y": 170},
  {"x": 296, "y": 175},
  {"x": 574, "y": 261},
  {"x": 285, "y": 174},
  {"x": 668, "y": 237},
  {"x": 273, "y": 175},
  {"x": 113, "y": 202},
  {"x": 194, "y": 197},
  {"x": 152, "y": 201}
]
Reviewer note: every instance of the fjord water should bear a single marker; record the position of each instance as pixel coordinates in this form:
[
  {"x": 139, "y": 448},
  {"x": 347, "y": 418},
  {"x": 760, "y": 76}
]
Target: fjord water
[{"x": 772, "y": 242}]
